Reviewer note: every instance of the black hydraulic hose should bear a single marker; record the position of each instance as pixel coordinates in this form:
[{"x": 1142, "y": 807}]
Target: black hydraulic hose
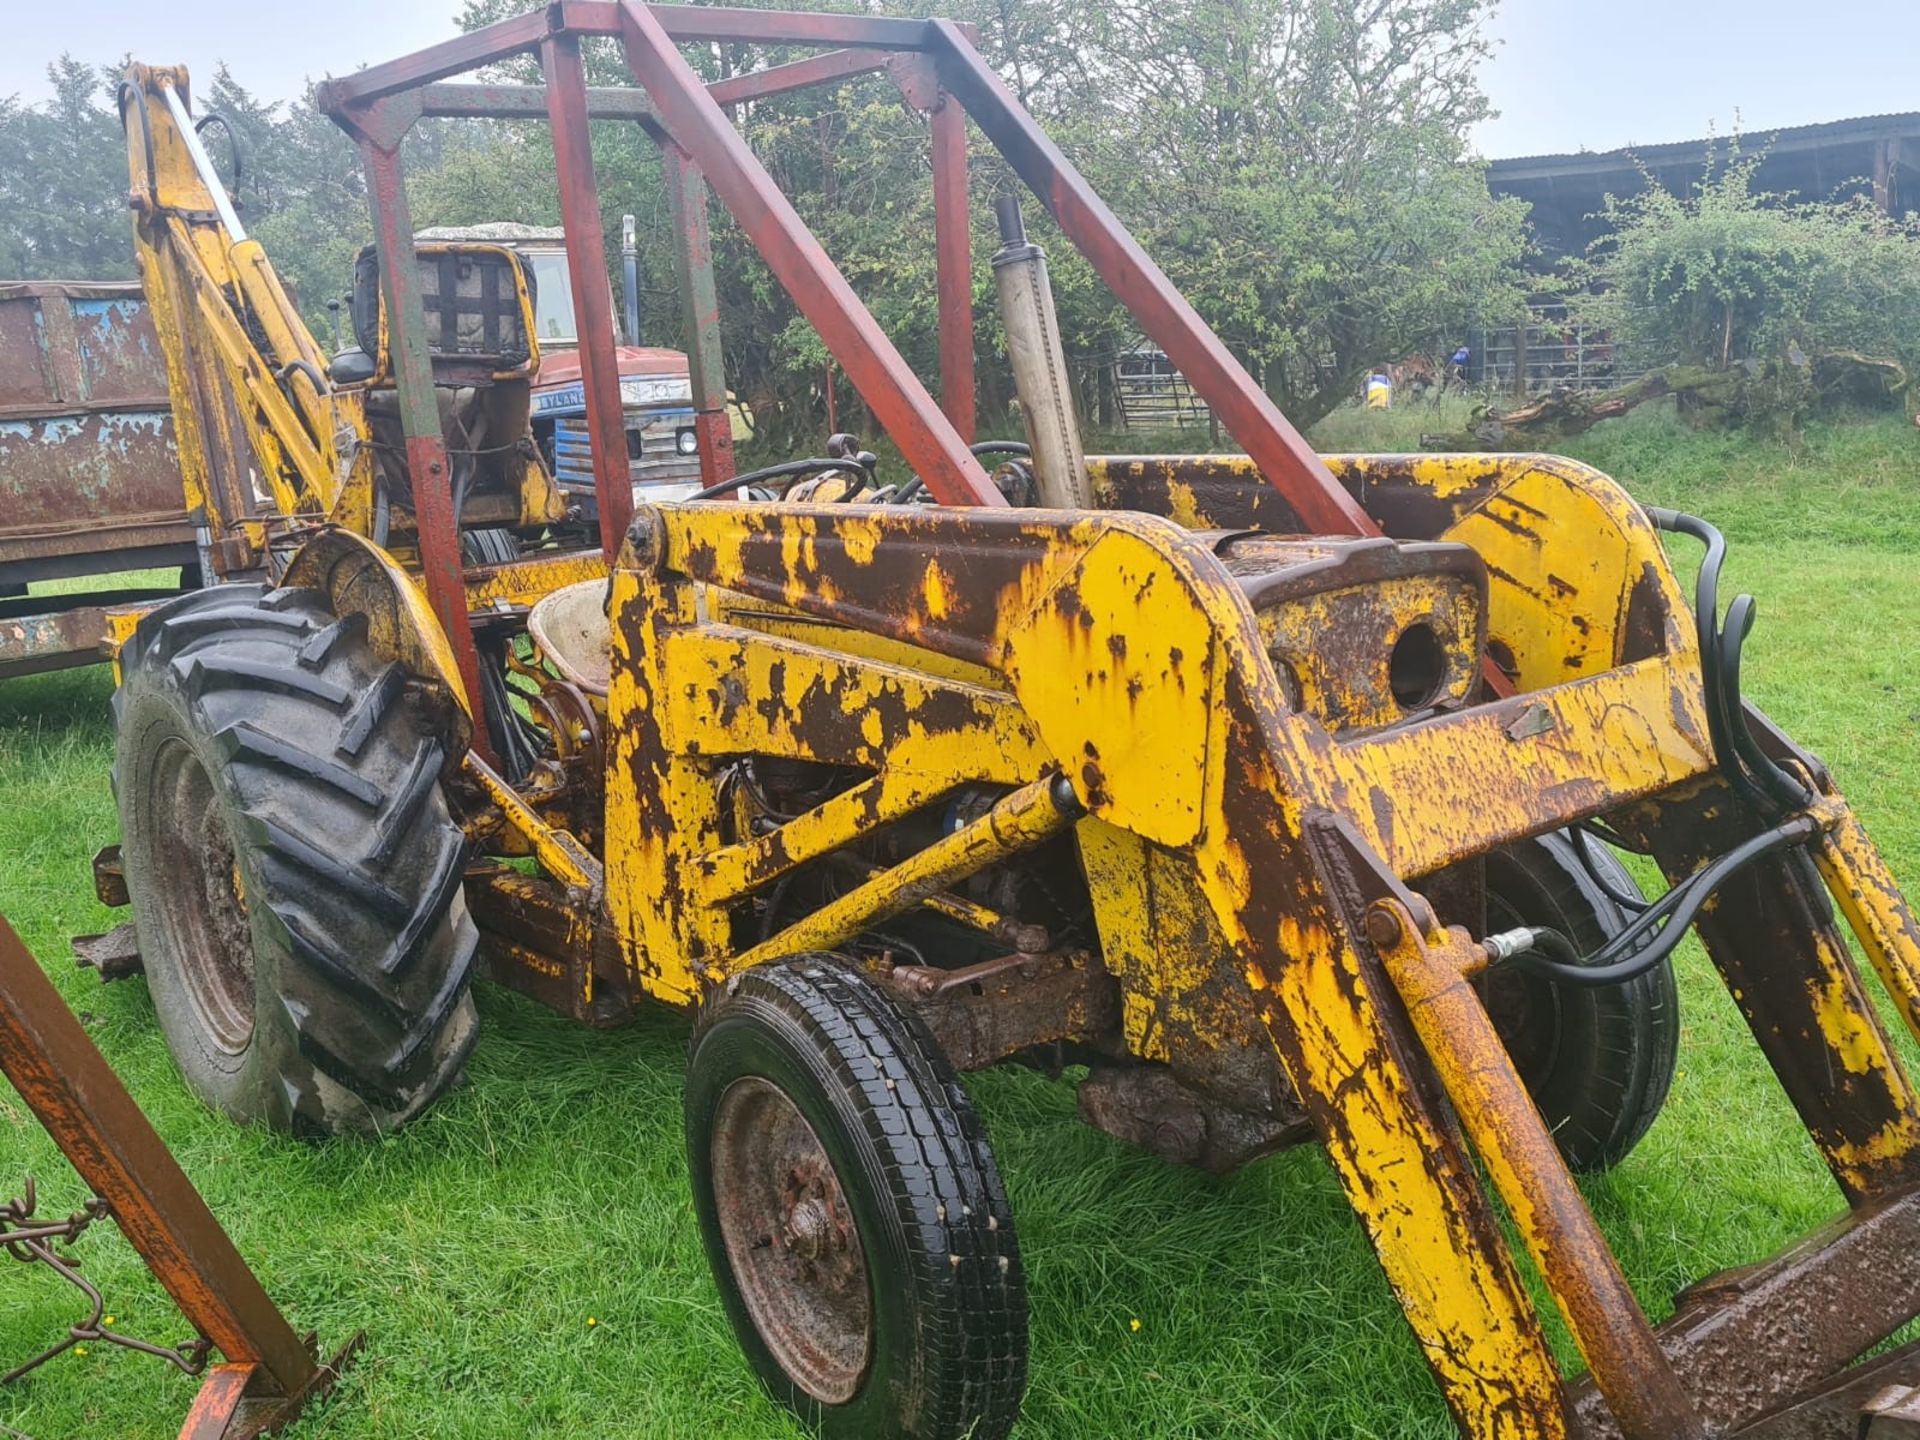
[
  {"x": 790, "y": 468},
  {"x": 1751, "y": 772},
  {"x": 382, "y": 509},
  {"x": 1767, "y": 787},
  {"x": 984, "y": 447},
  {"x": 1583, "y": 841},
  {"x": 1787, "y": 791},
  {"x": 1652, "y": 936},
  {"x": 1607, "y": 835},
  {"x": 519, "y": 751},
  {"x": 1706, "y": 619},
  {"x": 214, "y": 117},
  {"x": 306, "y": 368},
  {"x": 1684, "y": 900}
]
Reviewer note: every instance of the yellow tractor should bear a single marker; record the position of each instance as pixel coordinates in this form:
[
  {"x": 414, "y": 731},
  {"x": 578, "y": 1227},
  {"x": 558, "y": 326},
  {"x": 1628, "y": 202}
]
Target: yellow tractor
[{"x": 1282, "y": 793}]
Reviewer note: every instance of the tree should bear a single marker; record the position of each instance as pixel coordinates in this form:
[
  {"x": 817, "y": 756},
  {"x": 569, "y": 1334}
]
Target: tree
[
  {"x": 1299, "y": 167},
  {"x": 63, "y": 183}
]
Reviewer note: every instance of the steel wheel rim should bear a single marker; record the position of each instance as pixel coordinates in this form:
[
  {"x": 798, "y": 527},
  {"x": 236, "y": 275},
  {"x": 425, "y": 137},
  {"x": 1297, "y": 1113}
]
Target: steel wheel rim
[
  {"x": 795, "y": 1252},
  {"x": 203, "y": 901}
]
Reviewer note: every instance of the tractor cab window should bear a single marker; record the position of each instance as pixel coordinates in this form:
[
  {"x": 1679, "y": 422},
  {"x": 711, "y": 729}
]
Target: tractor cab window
[{"x": 552, "y": 297}]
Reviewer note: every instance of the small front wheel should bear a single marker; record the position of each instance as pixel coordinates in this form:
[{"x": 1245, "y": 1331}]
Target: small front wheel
[
  {"x": 852, "y": 1211},
  {"x": 1598, "y": 1062}
]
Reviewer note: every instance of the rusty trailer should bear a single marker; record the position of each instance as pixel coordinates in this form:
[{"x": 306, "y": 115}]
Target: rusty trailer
[{"x": 89, "y": 475}]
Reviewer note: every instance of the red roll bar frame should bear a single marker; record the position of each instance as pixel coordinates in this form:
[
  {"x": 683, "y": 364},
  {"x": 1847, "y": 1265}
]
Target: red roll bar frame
[{"x": 939, "y": 70}]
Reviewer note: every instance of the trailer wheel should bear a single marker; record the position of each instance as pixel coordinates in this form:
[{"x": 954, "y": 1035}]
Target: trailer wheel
[
  {"x": 295, "y": 875},
  {"x": 1598, "y": 1062},
  {"x": 852, "y": 1211}
]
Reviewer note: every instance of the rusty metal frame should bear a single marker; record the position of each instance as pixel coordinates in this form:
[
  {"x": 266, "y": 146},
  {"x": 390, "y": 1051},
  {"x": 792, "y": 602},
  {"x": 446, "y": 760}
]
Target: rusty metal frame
[
  {"x": 895, "y": 395},
  {"x": 701, "y": 149},
  {"x": 592, "y": 297},
  {"x": 270, "y": 1373}
]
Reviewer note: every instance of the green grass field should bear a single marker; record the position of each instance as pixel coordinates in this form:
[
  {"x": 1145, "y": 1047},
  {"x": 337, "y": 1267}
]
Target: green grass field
[{"x": 524, "y": 1261}]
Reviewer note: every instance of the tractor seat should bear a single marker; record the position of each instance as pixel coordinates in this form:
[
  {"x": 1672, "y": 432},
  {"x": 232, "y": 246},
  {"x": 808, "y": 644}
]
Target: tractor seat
[{"x": 571, "y": 628}]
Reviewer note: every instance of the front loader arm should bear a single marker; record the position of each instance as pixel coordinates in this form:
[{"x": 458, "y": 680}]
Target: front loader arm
[{"x": 1255, "y": 868}]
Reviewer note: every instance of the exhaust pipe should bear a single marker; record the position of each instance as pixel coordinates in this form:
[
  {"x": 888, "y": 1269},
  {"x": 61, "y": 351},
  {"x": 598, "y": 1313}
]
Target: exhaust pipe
[
  {"x": 630, "y": 276},
  {"x": 1039, "y": 363}
]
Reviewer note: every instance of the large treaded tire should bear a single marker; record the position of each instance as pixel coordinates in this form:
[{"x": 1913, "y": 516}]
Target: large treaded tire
[
  {"x": 1597, "y": 1061},
  {"x": 280, "y": 812},
  {"x": 948, "y": 1294}
]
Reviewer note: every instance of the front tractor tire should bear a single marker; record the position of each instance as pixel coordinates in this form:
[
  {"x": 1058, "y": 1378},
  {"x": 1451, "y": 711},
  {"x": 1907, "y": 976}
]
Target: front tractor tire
[
  {"x": 1598, "y": 1062},
  {"x": 294, "y": 872},
  {"x": 852, "y": 1211}
]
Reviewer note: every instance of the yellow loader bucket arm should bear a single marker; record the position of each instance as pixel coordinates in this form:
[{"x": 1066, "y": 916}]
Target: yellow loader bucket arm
[
  {"x": 256, "y": 402},
  {"x": 1273, "y": 865}
]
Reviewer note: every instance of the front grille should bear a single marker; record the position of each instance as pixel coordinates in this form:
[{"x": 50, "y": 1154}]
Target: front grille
[{"x": 653, "y": 454}]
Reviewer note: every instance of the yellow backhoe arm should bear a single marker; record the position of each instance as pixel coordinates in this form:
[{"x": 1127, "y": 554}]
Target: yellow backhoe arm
[{"x": 236, "y": 348}]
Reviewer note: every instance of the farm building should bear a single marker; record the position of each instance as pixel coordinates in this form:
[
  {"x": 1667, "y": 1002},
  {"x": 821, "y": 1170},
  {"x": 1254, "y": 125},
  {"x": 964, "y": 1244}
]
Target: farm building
[{"x": 1873, "y": 154}]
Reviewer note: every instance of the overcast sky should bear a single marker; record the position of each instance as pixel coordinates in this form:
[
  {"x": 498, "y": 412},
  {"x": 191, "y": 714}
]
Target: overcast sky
[
  {"x": 1568, "y": 75},
  {"x": 1573, "y": 75}
]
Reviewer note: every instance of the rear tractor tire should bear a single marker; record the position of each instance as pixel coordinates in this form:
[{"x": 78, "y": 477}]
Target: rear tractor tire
[
  {"x": 1597, "y": 1061},
  {"x": 294, "y": 872},
  {"x": 852, "y": 1211}
]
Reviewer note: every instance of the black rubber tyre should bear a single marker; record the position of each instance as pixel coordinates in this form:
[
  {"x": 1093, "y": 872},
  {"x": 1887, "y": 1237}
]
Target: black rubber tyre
[
  {"x": 808, "y": 1060},
  {"x": 1598, "y": 1062},
  {"x": 489, "y": 547},
  {"x": 294, "y": 872}
]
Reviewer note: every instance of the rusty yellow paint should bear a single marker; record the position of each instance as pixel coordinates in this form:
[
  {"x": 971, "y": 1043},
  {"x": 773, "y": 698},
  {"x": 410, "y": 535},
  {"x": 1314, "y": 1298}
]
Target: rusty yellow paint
[
  {"x": 1874, "y": 908},
  {"x": 1514, "y": 1143},
  {"x": 121, "y": 623},
  {"x": 1563, "y": 546},
  {"x": 1429, "y": 794},
  {"x": 770, "y": 619},
  {"x": 1031, "y": 814},
  {"x": 1446, "y": 477},
  {"x": 737, "y": 692},
  {"x": 1163, "y": 941},
  {"x": 1414, "y": 1193},
  {"x": 662, "y": 809},
  {"x": 1118, "y": 667},
  {"x": 559, "y": 853},
  {"x": 1332, "y": 651},
  {"x": 358, "y": 577},
  {"x": 524, "y": 582}
]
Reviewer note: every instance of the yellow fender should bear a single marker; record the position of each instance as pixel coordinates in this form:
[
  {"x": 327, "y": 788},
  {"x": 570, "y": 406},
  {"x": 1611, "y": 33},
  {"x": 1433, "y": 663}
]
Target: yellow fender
[{"x": 359, "y": 578}]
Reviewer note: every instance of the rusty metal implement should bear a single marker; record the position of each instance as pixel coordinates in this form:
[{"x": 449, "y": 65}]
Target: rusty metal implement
[
  {"x": 34, "y": 1241},
  {"x": 268, "y": 1373}
]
